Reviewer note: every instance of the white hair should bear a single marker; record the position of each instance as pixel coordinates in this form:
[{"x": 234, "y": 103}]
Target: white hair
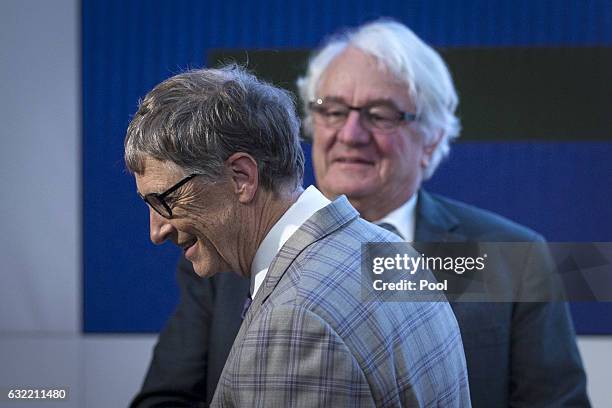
[{"x": 413, "y": 62}]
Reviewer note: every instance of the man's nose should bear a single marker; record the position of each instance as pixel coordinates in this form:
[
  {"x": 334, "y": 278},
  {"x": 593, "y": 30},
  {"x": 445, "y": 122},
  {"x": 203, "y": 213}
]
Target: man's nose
[
  {"x": 353, "y": 132},
  {"x": 160, "y": 228}
]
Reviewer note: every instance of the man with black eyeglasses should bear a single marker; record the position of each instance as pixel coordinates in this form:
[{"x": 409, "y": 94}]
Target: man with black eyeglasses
[{"x": 380, "y": 111}]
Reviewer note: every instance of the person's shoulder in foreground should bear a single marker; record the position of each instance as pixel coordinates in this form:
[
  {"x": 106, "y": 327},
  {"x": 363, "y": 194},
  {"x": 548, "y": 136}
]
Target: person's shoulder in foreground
[{"x": 310, "y": 333}]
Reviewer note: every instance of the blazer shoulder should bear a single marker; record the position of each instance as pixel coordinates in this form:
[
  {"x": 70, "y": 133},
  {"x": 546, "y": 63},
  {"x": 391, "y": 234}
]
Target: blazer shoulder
[{"x": 478, "y": 223}]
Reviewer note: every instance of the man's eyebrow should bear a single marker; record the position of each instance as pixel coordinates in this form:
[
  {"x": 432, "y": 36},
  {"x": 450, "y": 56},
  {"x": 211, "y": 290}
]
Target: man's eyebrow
[
  {"x": 334, "y": 99},
  {"x": 377, "y": 101},
  {"x": 382, "y": 101}
]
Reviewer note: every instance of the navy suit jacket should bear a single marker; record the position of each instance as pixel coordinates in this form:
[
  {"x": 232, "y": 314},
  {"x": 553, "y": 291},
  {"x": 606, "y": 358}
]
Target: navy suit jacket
[{"x": 518, "y": 354}]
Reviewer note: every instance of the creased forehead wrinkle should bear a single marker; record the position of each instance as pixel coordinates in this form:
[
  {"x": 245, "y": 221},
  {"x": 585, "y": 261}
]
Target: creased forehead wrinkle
[{"x": 199, "y": 118}]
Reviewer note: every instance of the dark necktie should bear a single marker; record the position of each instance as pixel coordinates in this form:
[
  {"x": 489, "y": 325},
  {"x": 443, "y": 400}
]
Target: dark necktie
[
  {"x": 390, "y": 228},
  {"x": 245, "y": 307}
]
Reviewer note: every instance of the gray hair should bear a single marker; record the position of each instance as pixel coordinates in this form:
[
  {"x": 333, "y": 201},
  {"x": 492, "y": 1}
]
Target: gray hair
[
  {"x": 413, "y": 62},
  {"x": 199, "y": 118}
]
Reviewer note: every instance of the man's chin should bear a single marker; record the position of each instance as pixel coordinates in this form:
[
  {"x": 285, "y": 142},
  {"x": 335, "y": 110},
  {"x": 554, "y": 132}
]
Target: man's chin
[
  {"x": 351, "y": 188},
  {"x": 203, "y": 271}
]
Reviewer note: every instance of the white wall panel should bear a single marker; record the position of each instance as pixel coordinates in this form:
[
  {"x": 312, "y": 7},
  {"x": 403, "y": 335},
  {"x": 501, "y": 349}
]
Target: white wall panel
[
  {"x": 50, "y": 361},
  {"x": 39, "y": 209},
  {"x": 596, "y": 354},
  {"x": 114, "y": 368}
]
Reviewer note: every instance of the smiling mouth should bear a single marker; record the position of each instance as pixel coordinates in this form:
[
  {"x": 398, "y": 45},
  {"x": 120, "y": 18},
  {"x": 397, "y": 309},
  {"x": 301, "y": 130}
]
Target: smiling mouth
[
  {"x": 188, "y": 245},
  {"x": 353, "y": 160}
]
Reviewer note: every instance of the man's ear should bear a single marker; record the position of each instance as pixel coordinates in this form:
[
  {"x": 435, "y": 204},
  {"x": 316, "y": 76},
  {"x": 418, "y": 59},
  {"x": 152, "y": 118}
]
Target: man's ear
[
  {"x": 429, "y": 148},
  {"x": 244, "y": 176}
]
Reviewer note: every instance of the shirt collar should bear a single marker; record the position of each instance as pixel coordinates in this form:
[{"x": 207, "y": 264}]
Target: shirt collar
[
  {"x": 403, "y": 218},
  {"x": 308, "y": 203}
]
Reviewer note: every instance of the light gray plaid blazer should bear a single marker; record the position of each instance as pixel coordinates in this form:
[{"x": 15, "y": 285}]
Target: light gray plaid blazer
[{"x": 310, "y": 340}]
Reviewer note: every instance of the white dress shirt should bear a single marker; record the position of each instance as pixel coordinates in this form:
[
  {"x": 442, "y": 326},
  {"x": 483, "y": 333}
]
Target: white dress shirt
[{"x": 309, "y": 202}]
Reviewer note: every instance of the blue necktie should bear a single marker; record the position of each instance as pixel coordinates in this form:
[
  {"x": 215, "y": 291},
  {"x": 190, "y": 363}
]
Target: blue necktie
[{"x": 245, "y": 307}]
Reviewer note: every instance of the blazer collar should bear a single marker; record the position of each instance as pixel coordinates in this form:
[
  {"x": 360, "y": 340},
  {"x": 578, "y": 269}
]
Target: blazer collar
[
  {"x": 434, "y": 222},
  {"x": 320, "y": 224}
]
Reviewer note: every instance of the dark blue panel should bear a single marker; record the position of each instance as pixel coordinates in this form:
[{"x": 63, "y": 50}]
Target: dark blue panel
[
  {"x": 592, "y": 318},
  {"x": 562, "y": 190},
  {"x": 129, "y": 46}
]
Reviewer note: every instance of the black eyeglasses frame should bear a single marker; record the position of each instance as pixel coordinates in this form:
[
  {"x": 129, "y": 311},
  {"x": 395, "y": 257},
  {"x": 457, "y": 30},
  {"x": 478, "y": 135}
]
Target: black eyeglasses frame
[
  {"x": 314, "y": 104},
  {"x": 157, "y": 201}
]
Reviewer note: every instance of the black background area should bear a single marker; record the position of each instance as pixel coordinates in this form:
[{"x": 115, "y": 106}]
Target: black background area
[{"x": 509, "y": 93}]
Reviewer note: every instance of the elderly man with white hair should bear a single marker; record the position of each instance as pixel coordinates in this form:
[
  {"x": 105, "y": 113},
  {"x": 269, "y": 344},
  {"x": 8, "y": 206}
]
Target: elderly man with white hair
[{"x": 380, "y": 112}]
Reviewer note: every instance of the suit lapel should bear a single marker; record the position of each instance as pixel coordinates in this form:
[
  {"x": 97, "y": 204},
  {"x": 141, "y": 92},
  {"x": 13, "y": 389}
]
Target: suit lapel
[
  {"x": 434, "y": 223},
  {"x": 320, "y": 224}
]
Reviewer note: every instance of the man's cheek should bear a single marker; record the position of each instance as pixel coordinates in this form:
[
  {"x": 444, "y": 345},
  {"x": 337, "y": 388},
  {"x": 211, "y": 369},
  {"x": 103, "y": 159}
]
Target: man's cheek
[{"x": 389, "y": 144}]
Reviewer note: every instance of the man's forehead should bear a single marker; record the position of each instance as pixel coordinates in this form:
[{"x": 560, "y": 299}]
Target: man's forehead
[
  {"x": 156, "y": 175},
  {"x": 356, "y": 77}
]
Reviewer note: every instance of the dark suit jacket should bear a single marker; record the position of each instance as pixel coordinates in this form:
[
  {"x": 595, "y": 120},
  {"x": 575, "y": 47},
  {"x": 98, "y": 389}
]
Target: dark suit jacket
[{"x": 518, "y": 354}]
